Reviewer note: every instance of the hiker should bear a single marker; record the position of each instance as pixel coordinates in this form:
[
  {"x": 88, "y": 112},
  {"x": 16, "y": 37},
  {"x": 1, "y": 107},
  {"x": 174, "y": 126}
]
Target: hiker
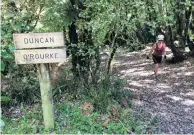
[{"x": 157, "y": 51}]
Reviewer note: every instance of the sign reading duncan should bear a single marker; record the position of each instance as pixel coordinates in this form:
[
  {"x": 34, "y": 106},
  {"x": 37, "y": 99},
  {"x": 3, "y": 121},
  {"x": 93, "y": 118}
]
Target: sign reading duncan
[
  {"x": 40, "y": 56},
  {"x": 38, "y": 40}
]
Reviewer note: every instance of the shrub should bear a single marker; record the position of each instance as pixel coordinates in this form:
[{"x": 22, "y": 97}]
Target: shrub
[{"x": 22, "y": 86}]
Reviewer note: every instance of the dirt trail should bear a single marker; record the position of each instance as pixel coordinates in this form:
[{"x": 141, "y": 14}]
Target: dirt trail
[{"x": 170, "y": 100}]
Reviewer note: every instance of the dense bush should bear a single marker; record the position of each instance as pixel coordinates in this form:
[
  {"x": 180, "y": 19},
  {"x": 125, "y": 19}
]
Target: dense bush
[{"x": 21, "y": 87}]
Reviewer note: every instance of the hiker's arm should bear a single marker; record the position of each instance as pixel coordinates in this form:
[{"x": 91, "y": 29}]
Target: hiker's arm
[
  {"x": 151, "y": 51},
  {"x": 164, "y": 52}
]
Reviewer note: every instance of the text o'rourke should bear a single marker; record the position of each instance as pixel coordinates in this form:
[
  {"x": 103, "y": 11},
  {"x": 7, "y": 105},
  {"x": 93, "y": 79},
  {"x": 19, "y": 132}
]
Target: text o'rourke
[{"x": 40, "y": 56}]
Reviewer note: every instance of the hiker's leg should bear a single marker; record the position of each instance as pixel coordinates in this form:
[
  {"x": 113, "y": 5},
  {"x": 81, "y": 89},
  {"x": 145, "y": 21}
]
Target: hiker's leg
[{"x": 156, "y": 66}]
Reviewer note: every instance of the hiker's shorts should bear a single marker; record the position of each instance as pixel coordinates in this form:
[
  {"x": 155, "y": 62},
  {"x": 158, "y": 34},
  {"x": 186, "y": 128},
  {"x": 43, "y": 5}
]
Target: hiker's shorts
[{"x": 157, "y": 59}]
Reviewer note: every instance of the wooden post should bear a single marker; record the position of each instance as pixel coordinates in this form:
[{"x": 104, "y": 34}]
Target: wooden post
[{"x": 46, "y": 95}]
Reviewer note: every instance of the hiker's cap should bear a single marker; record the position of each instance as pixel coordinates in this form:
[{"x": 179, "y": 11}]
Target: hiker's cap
[{"x": 160, "y": 37}]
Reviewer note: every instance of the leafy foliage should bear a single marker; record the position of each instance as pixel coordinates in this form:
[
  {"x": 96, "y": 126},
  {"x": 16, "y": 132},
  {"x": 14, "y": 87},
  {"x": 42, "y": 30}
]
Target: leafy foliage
[
  {"x": 22, "y": 88},
  {"x": 108, "y": 91},
  {"x": 120, "y": 17},
  {"x": 70, "y": 120},
  {"x": 61, "y": 17},
  {"x": 99, "y": 25},
  {"x": 17, "y": 17}
]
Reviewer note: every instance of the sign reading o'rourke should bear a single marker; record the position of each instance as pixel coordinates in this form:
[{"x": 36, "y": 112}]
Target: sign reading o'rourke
[{"x": 40, "y": 56}]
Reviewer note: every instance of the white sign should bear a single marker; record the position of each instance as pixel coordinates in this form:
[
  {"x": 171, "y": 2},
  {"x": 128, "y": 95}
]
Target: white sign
[
  {"x": 40, "y": 56},
  {"x": 38, "y": 40}
]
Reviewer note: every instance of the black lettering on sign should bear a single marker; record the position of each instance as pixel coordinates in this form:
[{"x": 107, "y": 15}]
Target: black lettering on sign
[
  {"x": 25, "y": 57},
  {"x": 28, "y": 58},
  {"x": 42, "y": 56},
  {"x": 46, "y": 40},
  {"x": 36, "y": 56},
  {"x": 31, "y": 40},
  {"x": 51, "y": 55},
  {"x": 47, "y": 56},
  {"x": 36, "y": 40},
  {"x": 31, "y": 56},
  {"x": 56, "y": 55},
  {"x": 41, "y": 40},
  {"x": 52, "y": 39},
  {"x": 25, "y": 41}
]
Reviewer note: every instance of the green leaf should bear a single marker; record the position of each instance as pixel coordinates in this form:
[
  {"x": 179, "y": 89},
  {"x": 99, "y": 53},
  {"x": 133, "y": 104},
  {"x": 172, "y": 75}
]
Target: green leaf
[
  {"x": 2, "y": 66},
  {"x": 139, "y": 128},
  {"x": 11, "y": 48},
  {"x": 7, "y": 35},
  {"x": 5, "y": 99},
  {"x": 9, "y": 15},
  {"x": 6, "y": 55}
]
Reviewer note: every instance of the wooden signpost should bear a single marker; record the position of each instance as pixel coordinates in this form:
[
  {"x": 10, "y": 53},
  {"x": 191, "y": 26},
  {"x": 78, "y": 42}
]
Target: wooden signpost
[{"x": 46, "y": 53}]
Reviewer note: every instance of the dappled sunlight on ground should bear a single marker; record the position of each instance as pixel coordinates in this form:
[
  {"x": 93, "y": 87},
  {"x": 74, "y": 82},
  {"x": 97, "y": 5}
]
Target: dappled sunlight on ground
[
  {"x": 175, "y": 98},
  {"x": 170, "y": 99},
  {"x": 188, "y": 102}
]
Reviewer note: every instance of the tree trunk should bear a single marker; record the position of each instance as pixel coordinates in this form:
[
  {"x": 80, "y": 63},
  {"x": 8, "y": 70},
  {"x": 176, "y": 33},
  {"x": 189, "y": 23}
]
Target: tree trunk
[
  {"x": 96, "y": 72},
  {"x": 178, "y": 55},
  {"x": 188, "y": 16},
  {"x": 180, "y": 25},
  {"x": 111, "y": 58}
]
